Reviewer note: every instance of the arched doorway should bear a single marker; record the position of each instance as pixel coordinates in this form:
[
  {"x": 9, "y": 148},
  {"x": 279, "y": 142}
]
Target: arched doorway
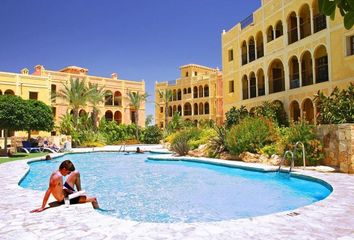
[
  {"x": 276, "y": 76},
  {"x": 294, "y": 111},
  {"x": 321, "y": 64},
  {"x": 292, "y": 28},
  {"x": 118, "y": 117},
  {"x": 108, "y": 98},
  {"x": 294, "y": 73},
  {"x": 260, "y": 82},
  {"x": 206, "y": 91},
  {"x": 195, "y": 92},
  {"x": 270, "y": 34},
  {"x": 319, "y": 19},
  {"x": 244, "y": 87},
  {"x": 201, "y": 109},
  {"x": 170, "y": 111},
  {"x": 305, "y": 21},
  {"x": 252, "y": 50},
  {"x": 9, "y": 92},
  {"x": 195, "y": 109},
  {"x": 306, "y": 69},
  {"x": 260, "y": 45},
  {"x": 117, "y": 98},
  {"x": 108, "y": 115},
  {"x": 253, "y": 85},
  {"x": 308, "y": 110},
  {"x": 206, "y": 108},
  {"x": 244, "y": 53},
  {"x": 279, "y": 29},
  {"x": 187, "y": 109},
  {"x": 200, "y": 91}
]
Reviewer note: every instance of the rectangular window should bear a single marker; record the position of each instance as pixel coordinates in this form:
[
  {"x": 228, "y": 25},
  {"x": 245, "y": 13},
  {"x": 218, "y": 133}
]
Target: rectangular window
[
  {"x": 161, "y": 109},
  {"x": 54, "y": 111},
  {"x": 231, "y": 86},
  {"x": 33, "y": 95},
  {"x": 351, "y": 43},
  {"x": 231, "y": 55}
]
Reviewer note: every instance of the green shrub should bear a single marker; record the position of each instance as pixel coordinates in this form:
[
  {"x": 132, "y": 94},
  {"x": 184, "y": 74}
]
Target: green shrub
[
  {"x": 217, "y": 144},
  {"x": 200, "y": 137},
  {"x": 251, "y": 134},
  {"x": 269, "y": 150},
  {"x": 180, "y": 144},
  {"x": 337, "y": 108},
  {"x": 151, "y": 135},
  {"x": 273, "y": 111},
  {"x": 305, "y": 133},
  {"x": 234, "y": 116}
]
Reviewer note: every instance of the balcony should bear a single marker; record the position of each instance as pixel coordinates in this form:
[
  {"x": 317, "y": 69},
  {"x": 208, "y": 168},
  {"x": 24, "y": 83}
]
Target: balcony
[
  {"x": 319, "y": 23},
  {"x": 294, "y": 81}
]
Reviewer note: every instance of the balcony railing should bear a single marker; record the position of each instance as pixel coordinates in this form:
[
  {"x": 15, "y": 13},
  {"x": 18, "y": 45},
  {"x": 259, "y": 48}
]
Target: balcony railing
[
  {"x": 294, "y": 81},
  {"x": 260, "y": 52},
  {"x": 292, "y": 35},
  {"x": 247, "y": 21},
  {"x": 278, "y": 85},
  {"x": 307, "y": 78},
  {"x": 319, "y": 22},
  {"x": 244, "y": 59}
]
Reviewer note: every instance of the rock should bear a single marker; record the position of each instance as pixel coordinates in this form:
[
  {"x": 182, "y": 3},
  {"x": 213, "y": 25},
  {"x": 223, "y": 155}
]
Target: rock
[
  {"x": 201, "y": 151},
  {"x": 250, "y": 157},
  {"x": 228, "y": 156},
  {"x": 275, "y": 160}
]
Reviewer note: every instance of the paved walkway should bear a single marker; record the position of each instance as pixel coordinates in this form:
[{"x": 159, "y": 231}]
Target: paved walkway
[{"x": 331, "y": 218}]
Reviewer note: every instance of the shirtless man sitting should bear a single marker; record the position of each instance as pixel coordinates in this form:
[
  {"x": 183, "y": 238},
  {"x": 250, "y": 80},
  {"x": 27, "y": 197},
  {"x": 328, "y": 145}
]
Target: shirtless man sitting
[{"x": 59, "y": 193}]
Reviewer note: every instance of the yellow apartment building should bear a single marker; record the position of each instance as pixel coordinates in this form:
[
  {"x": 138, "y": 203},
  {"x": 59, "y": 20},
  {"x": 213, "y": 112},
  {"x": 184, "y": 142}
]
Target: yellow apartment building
[
  {"x": 197, "y": 95},
  {"x": 286, "y": 51},
  {"x": 42, "y": 84}
]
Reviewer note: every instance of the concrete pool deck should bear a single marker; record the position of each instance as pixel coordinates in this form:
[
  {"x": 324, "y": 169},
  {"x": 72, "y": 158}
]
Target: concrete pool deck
[{"x": 331, "y": 218}]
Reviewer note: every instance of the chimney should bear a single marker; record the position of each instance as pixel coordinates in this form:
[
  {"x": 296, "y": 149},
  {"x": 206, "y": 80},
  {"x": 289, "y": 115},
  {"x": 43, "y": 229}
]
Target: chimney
[
  {"x": 114, "y": 76},
  {"x": 38, "y": 70},
  {"x": 25, "y": 71}
]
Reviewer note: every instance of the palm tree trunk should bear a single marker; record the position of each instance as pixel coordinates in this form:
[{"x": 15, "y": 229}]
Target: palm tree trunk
[
  {"x": 137, "y": 124},
  {"x": 166, "y": 114},
  {"x": 75, "y": 116},
  {"x": 5, "y": 140},
  {"x": 94, "y": 119}
]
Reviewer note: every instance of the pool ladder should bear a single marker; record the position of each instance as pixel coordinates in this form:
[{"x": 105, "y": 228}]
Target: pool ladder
[
  {"x": 122, "y": 148},
  {"x": 293, "y": 156}
]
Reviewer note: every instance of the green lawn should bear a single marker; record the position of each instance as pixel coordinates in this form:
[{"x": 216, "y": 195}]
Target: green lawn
[{"x": 21, "y": 156}]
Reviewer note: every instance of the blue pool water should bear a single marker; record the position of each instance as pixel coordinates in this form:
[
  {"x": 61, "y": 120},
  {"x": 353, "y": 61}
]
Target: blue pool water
[{"x": 135, "y": 188}]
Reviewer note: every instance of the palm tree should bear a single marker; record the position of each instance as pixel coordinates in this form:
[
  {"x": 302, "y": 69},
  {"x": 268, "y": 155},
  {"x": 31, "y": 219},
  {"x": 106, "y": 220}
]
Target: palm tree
[
  {"x": 166, "y": 96},
  {"x": 135, "y": 101},
  {"x": 97, "y": 96},
  {"x": 77, "y": 94}
]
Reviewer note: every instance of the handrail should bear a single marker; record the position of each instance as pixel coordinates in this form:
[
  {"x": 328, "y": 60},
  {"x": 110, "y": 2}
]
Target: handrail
[
  {"x": 303, "y": 152},
  {"x": 282, "y": 160}
]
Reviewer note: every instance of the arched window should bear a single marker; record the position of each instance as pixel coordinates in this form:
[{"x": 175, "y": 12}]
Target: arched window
[
  {"x": 200, "y": 91},
  {"x": 276, "y": 76},
  {"x": 251, "y": 49},
  {"x": 270, "y": 34},
  {"x": 82, "y": 112},
  {"x": 244, "y": 87},
  {"x": 174, "y": 109},
  {"x": 206, "y": 91},
  {"x": 117, "y": 98},
  {"x": 108, "y": 98},
  {"x": 170, "y": 111},
  {"x": 321, "y": 64},
  {"x": 195, "y": 92},
  {"x": 179, "y": 94},
  {"x": 292, "y": 28},
  {"x": 294, "y": 76},
  {"x": 244, "y": 53},
  {"x": 253, "y": 85},
  {"x": 174, "y": 98},
  {"x": 184, "y": 91},
  {"x": 9, "y": 92},
  {"x": 306, "y": 69},
  {"x": 260, "y": 82},
  {"x": 260, "y": 45},
  {"x": 187, "y": 109},
  {"x": 195, "y": 108},
  {"x": 206, "y": 108},
  {"x": 118, "y": 117},
  {"x": 108, "y": 115},
  {"x": 319, "y": 19},
  {"x": 201, "y": 109},
  {"x": 278, "y": 29},
  {"x": 179, "y": 110},
  {"x": 189, "y": 90},
  {"x": 294, "y": 111},
  {"x": 305, "y": 21},
  {"x": 308, "y": 110}
]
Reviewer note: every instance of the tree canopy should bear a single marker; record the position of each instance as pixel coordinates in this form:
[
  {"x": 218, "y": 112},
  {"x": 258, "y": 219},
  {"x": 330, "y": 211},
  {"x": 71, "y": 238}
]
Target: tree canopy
[{"x": 346, "y": 8}]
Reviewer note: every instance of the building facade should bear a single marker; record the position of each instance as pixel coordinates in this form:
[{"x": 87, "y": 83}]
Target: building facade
[
  {"x": 42, "y": 84},
  {"x": 197, "y": 95},
  {"x": 286, "y": 51}
]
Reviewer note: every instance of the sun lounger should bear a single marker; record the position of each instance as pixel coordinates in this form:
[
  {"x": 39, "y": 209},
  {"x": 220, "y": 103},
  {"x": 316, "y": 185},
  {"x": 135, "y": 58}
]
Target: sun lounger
[{"x": 26, "y": 146}]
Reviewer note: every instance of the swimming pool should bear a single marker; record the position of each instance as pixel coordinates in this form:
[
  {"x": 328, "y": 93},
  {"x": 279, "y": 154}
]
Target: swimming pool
[{"x": 177, "y": 191}]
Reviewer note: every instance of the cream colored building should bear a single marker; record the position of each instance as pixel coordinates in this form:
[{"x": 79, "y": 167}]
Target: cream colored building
[
  {"x": 42, "y": 83},
  {"x": 197, "y": 95},
  {"x": 286, "y": 51}
]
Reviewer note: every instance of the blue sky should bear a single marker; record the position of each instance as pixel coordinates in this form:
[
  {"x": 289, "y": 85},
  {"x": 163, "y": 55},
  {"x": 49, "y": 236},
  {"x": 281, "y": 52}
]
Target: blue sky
[{"x": 138, "y": 39}]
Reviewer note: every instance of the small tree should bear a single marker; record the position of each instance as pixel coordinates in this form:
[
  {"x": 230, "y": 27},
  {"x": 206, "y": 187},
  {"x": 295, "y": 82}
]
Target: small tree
[
  {"x": 12, "y": 114},
  {"x": 136, "y": 100},
  {"x": 39, "y": 117},
  {"x": 234, "y": 116},
  {"x": 97, "y": 96},
  {"x": 166, "y": 96}
]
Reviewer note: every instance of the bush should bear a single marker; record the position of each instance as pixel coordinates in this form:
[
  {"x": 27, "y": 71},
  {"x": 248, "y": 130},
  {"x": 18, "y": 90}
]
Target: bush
[
  {"x": 234, "y": 116},
  {"x": 273, "y": 111},
  {"x": 200, "y": 137},
  {"x": 250, "y": 135},
  {"x": 180, "y": 144},
  {"x": 217, "y": 144},
  {"x": 151, "y": 135},
  {"x": 306, "y": 133},
  {"x": 337, "y": 108}
]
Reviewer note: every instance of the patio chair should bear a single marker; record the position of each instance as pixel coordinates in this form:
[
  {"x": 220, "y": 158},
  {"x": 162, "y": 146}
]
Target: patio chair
[{"x": 26, "y": 146}]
